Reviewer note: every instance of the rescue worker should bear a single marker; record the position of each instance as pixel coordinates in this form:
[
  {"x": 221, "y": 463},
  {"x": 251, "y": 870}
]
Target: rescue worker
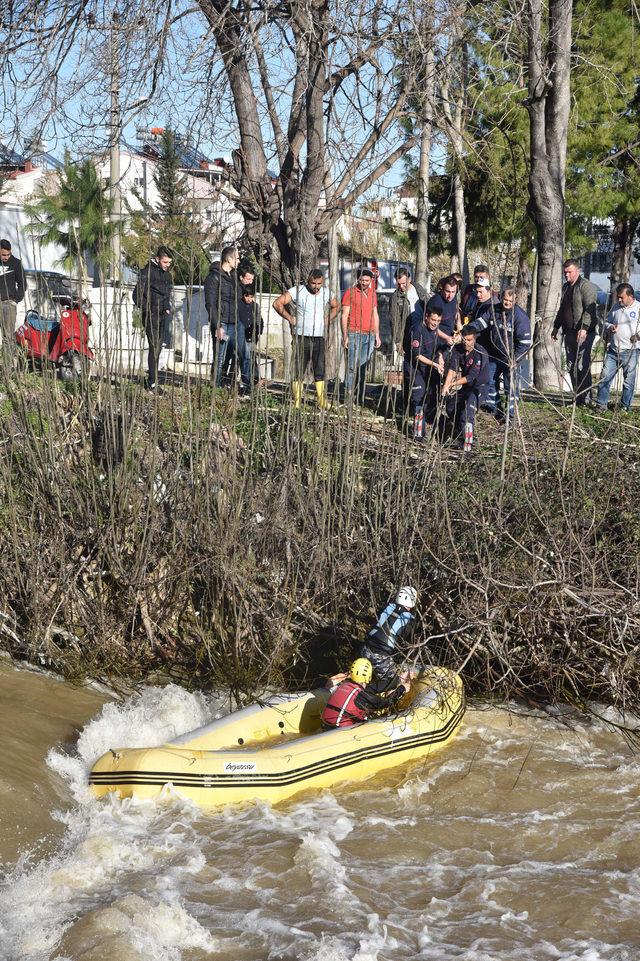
[
  {"x": 446, "y": 298},
  {"x": 465, "y": 386},
  {"x": 394, "y": 625},
  {"x": 424, "y": 368},
  {"x": 510, "y": 342},
  {"x": 351, "y": 702}
]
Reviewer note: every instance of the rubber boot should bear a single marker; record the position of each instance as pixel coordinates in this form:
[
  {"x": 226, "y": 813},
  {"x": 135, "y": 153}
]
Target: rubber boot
[
  {"x": 468, "y": 437},
  {"x": 296, "y": 390},
  {"x": 418, "y": 424},
  {"x": 321, "y": 391}
]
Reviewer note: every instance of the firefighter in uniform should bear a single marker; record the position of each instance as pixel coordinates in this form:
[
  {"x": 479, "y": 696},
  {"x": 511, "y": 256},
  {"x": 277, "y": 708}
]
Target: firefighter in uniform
[
  {"x": 425, "y": 369},
  {"x": 465, "y": 385},
  {"x": 352, "y": 701}
]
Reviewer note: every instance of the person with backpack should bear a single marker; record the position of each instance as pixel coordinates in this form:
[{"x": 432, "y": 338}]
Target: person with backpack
[{"x": 152, "y": 296}]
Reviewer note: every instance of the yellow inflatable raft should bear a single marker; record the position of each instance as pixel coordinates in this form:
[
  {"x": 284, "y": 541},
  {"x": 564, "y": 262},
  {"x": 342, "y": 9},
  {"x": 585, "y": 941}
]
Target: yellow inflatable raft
[{"x": 274, "y": 750}]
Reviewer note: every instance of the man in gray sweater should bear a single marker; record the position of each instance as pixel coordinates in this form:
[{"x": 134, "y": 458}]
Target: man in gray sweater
[{"x": 578, "y": 321}]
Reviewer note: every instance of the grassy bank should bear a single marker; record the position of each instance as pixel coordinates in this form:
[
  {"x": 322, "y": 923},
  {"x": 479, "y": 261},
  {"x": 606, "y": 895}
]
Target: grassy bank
[{"x": 247, "y": 545}]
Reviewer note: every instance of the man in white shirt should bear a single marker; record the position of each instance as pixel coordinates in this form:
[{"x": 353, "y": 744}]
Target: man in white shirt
[
  {"x": 622, "y": 334},
  {"x": 314, "y": 306}
]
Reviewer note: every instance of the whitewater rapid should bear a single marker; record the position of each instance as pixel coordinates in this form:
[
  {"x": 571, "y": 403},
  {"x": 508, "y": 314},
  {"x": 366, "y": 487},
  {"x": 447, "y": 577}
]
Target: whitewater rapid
[{"x": 518, "y": 843}]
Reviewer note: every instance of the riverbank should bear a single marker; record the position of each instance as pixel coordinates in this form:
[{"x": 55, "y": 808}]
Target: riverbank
[{"x": 245, "y": 545}]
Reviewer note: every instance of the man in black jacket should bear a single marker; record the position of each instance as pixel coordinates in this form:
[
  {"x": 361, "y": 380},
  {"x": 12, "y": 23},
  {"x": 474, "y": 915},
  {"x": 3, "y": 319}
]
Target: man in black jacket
[
  {"x": 152, "y": 294},
  {"x": 12, "y": 285},
  {"x": 221, "y": 296},
  {"x": 578, "y": 320}
]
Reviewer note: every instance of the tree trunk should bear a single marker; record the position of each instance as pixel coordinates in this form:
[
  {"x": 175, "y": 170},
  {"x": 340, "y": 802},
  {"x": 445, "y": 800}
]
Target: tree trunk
[
  {"x": 548, "y": 64},
  {"x": 624, "y": 232},
  {"x": 422, "y": 244},
  {"x": 461, "y": 227},
  {"x": 334, "y": 351},
  {"x": 523, "y": 279}
]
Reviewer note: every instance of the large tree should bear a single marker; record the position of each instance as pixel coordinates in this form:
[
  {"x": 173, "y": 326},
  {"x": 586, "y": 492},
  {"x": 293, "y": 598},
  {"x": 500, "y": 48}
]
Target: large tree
[{"x": 548, "y": 77}]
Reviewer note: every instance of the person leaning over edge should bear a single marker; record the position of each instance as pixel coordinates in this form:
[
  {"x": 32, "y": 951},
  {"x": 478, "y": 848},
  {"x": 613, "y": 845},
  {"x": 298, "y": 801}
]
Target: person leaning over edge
[
  {"x": 352, "y": 701},
  {"x": 395, "y": 625},
  {"x": 152, "y": 295},
  {"x": 314, "y": 309},
  {"x": 577, "y": 318},
  {"x": 425, "y": 370},
  {"x": 360, "y": 324},
  {"x": 622, "y": 334},
  {"x": 465, "y": 385},
  {"x": 12, "y": 287}
]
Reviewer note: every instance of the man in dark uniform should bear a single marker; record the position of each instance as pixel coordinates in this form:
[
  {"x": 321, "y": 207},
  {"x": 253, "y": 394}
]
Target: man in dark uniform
[
  {"x": 509, "y": 343},
  {"x": 446, "y": 299},
  {"x": 423, "y": 370},
  {"x": 465, "y": 384},
  {"x": 482, "y": 316}
]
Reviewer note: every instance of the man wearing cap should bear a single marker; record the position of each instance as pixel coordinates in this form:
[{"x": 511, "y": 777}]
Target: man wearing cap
[
  {"x": 468, "y": 299},
  {"x": 578, "y": 321},
  {"x": 482, "y": 318},
  {"x": 466, "y": 381},
  {"x": 360, "y": 331}
]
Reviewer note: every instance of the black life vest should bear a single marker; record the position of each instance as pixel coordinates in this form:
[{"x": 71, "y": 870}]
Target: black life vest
[{"x": 341, "y": 710}]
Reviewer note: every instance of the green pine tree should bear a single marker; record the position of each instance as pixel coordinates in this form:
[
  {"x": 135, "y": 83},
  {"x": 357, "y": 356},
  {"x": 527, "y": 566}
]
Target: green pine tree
[{"x": 175, "y": 221}]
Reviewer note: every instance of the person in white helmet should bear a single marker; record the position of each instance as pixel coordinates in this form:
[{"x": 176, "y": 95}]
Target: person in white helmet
[{"x": 394, "y": 626}]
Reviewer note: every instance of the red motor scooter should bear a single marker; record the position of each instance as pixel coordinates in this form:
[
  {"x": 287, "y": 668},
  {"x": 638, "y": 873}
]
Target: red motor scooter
[{"x": 63, "y": 342}]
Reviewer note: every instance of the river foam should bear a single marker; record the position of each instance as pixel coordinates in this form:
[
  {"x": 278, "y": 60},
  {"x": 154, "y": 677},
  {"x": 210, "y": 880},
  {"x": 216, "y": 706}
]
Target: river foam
[{"x": 520, "y": 841}]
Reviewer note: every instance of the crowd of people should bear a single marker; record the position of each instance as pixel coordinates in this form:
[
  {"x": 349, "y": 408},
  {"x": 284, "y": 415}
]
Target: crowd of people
[{"x": 462, "y": 348}]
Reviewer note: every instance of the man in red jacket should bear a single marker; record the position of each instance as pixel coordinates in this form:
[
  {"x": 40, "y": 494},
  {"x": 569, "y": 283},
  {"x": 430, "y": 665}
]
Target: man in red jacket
[{"x": 351, "y": 703}]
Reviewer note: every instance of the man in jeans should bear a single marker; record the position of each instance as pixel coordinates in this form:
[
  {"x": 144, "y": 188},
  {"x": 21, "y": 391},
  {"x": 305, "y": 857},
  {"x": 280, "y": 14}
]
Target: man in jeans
[
  {"x": 12, "y": 285},
  {"x": 622, "y": 333},
  {"x": 221, "y": 297},
  {"x": 360, "y": 331},
  {"x": 578, "y": 320}
]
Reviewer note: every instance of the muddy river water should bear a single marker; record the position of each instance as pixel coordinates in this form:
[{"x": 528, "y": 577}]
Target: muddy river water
[{"x": 519, "y": 842}]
